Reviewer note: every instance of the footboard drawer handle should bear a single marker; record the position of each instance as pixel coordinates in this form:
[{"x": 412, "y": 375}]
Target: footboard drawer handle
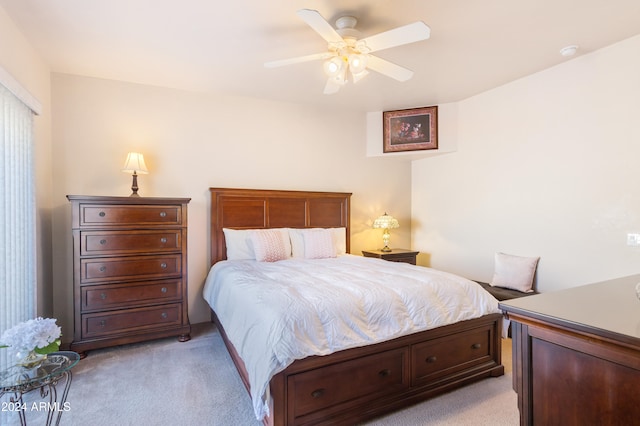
[
  {"x": 317, "y": 393},
  {"x": 432, "y": 358},
  {"x": 476, "y": 346},
  {"x": 384, "y": 373}
]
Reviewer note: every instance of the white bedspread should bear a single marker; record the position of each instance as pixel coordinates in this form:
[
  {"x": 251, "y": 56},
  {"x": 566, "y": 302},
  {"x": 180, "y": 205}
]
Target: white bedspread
[{"x": 275, "y": 313}]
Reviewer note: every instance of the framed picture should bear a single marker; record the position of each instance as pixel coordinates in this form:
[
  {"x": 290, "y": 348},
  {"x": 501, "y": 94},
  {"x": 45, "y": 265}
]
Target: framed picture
[{"x": 410, "y": 129}]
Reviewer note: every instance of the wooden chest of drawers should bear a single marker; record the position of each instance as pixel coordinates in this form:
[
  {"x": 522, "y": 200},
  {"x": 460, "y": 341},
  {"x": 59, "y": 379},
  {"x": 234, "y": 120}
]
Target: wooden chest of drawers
[{"x": 129, "y": 270}]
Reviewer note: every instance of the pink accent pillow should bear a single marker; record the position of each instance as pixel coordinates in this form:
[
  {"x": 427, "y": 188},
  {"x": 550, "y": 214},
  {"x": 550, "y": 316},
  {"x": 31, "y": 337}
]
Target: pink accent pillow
[
  {"x": 318, "y": 244},
  {"x": 269, "y": 245}
]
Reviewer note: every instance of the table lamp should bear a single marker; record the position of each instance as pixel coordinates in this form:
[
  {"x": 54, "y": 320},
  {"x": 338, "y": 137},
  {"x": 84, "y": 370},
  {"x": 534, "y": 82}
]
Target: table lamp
[
  {"x": 134, "y": 165},
  {"x": 386, "y": 222}
]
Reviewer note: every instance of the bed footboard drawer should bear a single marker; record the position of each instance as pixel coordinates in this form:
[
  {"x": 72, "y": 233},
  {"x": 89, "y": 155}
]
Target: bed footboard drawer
[
  {"x": 446, "y": 355},
  {"x": 368, "y": 377}
]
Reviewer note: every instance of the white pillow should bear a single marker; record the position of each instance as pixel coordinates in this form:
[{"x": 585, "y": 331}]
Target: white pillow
[
  {"x": 514, "y": 272},
  {"x": 239, "y": 245},
  {"x": 338, "y": 235},
  {"x": 271, "y": 245},
  {"x": 318, "y": 244},
  {"x": 237, "y": 242}
]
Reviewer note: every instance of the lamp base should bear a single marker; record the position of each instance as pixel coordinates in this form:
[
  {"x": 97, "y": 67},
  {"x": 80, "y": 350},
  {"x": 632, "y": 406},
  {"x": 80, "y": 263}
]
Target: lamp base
[
  {"x": 385, "y": 249},
  {"x": 134, "y": 186}
]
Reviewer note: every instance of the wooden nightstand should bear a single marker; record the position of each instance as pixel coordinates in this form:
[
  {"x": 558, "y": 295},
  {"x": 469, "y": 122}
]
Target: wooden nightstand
[{"x": 395, "y": 255}]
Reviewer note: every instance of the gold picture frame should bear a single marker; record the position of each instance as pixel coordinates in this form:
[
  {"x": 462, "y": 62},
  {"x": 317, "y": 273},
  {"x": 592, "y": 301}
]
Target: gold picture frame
[{"x": 414, "y": 129}]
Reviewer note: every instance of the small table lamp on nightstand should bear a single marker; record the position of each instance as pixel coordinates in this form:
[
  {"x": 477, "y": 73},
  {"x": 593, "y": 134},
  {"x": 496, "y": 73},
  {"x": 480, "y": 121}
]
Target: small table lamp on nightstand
[{"x": 386, "y": 222}]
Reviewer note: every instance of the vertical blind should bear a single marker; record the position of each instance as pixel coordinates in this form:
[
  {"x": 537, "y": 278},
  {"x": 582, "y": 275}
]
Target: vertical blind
[{"x": 17, "y": 214}]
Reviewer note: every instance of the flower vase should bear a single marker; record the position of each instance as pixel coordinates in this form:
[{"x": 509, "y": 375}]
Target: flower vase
[{"x": 31, "y": 360}]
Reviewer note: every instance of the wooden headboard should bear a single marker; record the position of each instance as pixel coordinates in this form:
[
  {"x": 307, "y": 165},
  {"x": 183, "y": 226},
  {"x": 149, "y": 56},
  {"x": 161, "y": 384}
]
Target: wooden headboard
[{"x": 264, "y": 208}]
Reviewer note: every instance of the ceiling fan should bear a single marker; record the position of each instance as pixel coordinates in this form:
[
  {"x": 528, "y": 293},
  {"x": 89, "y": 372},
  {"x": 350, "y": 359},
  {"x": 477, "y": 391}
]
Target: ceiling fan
[{"x": 347, "y": 54}]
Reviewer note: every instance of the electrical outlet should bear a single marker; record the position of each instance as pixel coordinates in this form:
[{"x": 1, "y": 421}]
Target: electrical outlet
[{"x": 633, "y": 239}]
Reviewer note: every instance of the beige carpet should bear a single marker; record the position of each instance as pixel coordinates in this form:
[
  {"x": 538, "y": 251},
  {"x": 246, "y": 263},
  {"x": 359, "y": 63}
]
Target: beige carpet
[{"x": 165, "y": 382}]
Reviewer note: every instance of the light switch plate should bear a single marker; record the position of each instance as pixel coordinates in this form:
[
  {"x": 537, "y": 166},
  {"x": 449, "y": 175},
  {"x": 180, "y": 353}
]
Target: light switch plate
[{"x": 633, "y": 239}]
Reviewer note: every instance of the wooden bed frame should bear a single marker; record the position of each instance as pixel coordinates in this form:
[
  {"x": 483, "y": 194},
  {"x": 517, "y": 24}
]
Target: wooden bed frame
[{"x": 350, "y": 386}]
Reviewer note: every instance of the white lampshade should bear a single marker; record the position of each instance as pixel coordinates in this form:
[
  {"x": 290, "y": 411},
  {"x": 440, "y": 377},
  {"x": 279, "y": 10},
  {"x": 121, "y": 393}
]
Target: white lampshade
[
  {"x": 357, "y": 63},
  {"x": 135, "y": 164},
  {"x": 333, "y": 66},
  {"x": 386, "y": 222}
]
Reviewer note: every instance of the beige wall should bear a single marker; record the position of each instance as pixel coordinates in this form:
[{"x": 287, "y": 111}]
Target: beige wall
[
  {"x": 25, "y": 65},
  {"x": 545, "y": 166},
  {"x": 194, "y": 141}
]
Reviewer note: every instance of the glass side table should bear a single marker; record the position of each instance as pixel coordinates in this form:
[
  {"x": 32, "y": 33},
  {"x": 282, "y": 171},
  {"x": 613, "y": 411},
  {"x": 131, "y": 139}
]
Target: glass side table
[{"x": 17, "y": 381}]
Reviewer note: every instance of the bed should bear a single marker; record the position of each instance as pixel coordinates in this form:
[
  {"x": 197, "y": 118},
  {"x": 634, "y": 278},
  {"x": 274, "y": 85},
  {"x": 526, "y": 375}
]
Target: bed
[{"x": 362, "y": 381}]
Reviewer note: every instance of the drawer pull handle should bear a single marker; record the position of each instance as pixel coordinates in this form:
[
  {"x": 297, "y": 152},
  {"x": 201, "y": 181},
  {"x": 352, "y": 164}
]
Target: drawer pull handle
[
  {"x": 163, "y": 265},
  {"x": 163, "y": 214},
  {"x": 103, "y": 242},
  {"x": 102, "y": 268},
  {"x": 163, "y": 240},
  {"x": 163, "y": 289},
  {"x": 476, "y": 346},
  {"x": 103, "y": 323},
  {"x": 102, "y": 214},
  {"x": 317, "y": 393},
  {"x": 432, "y": 358},
  {"x": 164, "y": 315},
  {"x": 103, "y": 296},
  {"x": 384, "y": 373}
]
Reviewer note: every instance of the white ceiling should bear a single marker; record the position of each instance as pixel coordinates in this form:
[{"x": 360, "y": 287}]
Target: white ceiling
[{"x": 220, "y": 46}]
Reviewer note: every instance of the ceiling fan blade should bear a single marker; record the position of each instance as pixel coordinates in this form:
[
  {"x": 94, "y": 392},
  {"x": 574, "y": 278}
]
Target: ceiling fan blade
[
  {"x": 297, "y": 60},
  {"x": 331, "y": 87},
  {"x": 320, "y": 25},
  {"x": 389, "y": 68},
  {"x": 398, "y": 36}
]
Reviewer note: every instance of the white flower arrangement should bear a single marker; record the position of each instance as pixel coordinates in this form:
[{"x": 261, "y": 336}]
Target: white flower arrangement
[{"x": 40, "y": 335}]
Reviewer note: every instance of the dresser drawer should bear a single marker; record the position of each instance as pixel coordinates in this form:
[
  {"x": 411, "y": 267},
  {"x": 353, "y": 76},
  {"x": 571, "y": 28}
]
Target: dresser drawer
[
  {"x": 369, "y": 377},
  {"x": 100, "y": 297},
  {"x": 130, "y": 268},
  {"x": 129, "y": 242},
  {"x": 123, "y": 215},
  {"x": 446, "y": 355},
  {"x": 131, "y": 320}
]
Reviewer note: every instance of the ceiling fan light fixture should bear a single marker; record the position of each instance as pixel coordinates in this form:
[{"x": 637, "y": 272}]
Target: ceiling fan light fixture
[
  {"x": 350, "y": 57},
  {"x": 357, "y": 63},
  {"x": 341, "y": 77},
  {"x": 333, "y": 66}
]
